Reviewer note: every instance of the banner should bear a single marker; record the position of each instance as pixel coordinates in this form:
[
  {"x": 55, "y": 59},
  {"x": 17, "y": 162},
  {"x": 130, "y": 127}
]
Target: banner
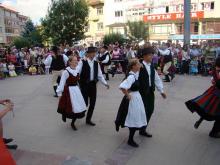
[{"x": 171, "y": 16}]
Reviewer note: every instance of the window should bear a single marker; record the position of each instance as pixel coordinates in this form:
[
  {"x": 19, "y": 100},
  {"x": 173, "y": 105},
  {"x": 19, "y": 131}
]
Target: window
[
  {"x": 87, "y": 28},
  {"x": 212, "y": 5},
  {"x": 179, "y": 28},
  {"x": 9, "y": 30},
  {"x": 100, "y": 26},
  {"x": 203, "y": 6},
  {"x": 167, "y": 9},
  {"x": 0, "y": 29},
  {"x": 161, "y": 29},
  {"x": 118, "y": 13},
  {"x": 211, "y": 27},
  {"x": 196, "y": 27},
  {"x": 100, "y": 11}
]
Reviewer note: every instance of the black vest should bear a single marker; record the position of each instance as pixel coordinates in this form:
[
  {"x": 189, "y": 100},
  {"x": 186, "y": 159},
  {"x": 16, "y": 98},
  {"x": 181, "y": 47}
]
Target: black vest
[
  {"x": 144, "y": 80},
  {"x": 168, "y": 58},
  {"x": 85, "y": 73},
  {"x": 57, "y": 63},
  {"x": 104, "y": 57}
]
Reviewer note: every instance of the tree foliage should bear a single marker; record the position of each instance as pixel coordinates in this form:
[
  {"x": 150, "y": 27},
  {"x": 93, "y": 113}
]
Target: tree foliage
[
  {"x": 30, "y": 36},
  {"x": 65, "y": 21},
  {"x": 113, "y": 37},
  {"x": 31, "y": 33},
  {"x": 21, "y": 42},
  {"x": 138, "y": 30}
]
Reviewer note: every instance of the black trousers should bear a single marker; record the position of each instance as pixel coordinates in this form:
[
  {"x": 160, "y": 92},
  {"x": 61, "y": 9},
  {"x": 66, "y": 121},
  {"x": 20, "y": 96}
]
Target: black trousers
[
  {"x": 216, "y": 127},
  {"x": 89, "y": 92},
  {"x": 148, "y": 100}
]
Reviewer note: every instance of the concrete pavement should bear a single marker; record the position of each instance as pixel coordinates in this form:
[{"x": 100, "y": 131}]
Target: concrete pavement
[{"x": 43, "y": 137}]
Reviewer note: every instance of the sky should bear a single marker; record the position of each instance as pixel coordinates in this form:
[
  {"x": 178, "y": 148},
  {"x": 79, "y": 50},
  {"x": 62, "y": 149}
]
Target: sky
[{"x": 35, "y": 9}]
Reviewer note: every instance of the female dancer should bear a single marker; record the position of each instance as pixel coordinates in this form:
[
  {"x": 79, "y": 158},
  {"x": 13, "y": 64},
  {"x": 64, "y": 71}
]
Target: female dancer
[
  {"x": 71, "y": 103},
  {"x": 131, "y": 112},
  {"x": 208, "y": 104}
]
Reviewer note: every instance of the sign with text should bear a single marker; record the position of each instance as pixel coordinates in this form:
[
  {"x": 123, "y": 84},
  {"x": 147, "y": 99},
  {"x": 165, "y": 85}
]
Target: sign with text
[{"x": 172, "y": 16}]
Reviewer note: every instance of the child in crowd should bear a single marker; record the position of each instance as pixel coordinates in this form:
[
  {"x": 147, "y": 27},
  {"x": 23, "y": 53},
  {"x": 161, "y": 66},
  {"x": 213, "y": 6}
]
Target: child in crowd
[
  {"x": 32, "y": 70},
  {"x": 11, "y": 69},
  {"x": 5, "y": 69},
  {"x": 194, "y": 66}
]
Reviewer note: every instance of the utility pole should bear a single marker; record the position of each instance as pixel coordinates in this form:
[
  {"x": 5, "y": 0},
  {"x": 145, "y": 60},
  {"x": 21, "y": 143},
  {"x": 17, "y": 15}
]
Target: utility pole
[{"x": 187, "y": 21}]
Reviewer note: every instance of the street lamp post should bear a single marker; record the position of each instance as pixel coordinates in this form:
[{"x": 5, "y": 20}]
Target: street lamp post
[{"x": 187, "y": 21}]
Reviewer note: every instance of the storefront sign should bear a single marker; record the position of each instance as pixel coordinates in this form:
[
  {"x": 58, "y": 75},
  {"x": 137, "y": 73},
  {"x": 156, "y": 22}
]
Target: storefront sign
[
  {"x": 172, "y": 16},
  {"x": 196, "y": 37}
]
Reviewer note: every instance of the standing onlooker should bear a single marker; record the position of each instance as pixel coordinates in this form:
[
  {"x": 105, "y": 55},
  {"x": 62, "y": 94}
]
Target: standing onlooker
[{"x": 185, "y": 60}]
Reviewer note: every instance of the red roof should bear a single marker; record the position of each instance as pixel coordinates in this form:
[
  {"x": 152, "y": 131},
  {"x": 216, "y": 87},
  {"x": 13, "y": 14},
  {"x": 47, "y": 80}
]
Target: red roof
[{"x": 8, "y": 8}]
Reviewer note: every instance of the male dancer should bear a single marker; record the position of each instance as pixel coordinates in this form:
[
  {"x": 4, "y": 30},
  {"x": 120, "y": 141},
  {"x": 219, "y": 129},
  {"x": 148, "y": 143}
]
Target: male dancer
[
  {"x": 149, "y": 79},
  {"x": 57, "y": 63},
  {"x": 105, "y": 61},
  {"x": 90, "y": 73}
]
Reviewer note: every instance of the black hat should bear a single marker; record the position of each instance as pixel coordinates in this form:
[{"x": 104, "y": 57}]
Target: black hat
[
  {"x": 105, "y": 47},
  {"x": 148, "y": 51},
  {"x": 55, "y": 49},
  {"x": 91, "y": 50}
]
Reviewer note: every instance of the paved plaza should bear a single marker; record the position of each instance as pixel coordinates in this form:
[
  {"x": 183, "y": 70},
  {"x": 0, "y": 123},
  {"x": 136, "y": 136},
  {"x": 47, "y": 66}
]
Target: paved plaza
[{"x": 43, "y": 138}]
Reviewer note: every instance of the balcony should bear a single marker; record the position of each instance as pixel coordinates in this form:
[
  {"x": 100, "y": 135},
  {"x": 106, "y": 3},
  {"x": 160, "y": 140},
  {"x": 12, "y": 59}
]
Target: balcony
[{"x": 95, "y": 2}]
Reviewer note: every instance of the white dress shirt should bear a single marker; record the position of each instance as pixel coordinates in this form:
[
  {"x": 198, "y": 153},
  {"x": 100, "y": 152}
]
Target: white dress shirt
[
  {"x": 91, "y": 65},
  {"x": 158, "y": 82},
  {"x": 48, "y": 60}
]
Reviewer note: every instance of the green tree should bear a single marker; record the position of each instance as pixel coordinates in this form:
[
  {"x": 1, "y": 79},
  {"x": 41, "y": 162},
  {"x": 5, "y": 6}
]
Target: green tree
[
  {"x": 138, "y": 30},
  {"x": 28, "y": 29},
  {"x": 21, "y": 42},
  {"x": 65, "y": 21},
  {"x": 31, "y": 34},
  {"x": 113, "y": 37}
]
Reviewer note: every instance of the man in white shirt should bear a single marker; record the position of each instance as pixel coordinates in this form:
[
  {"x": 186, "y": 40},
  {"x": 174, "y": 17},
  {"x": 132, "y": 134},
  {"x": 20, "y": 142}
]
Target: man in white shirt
[
  {"x": 104, "y": 60},
  {"x": 149, "y": 80},
  {"x": 90, "y": 73}
]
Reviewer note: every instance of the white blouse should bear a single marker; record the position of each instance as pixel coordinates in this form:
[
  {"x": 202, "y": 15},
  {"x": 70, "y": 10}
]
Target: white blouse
[
  {"x": 127, "y": 83},
  {"x": 64, "y": 77}
]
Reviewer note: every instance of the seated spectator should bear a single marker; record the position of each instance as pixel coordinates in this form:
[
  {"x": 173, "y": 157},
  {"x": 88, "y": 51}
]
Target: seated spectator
[
  {"x": 5, "y": 68},
  {"x": 32, "y": 70},
  {"x": 1, "y": 70},
  {"x": 11, "y": 69},
  {"x": 8, "y": 106}
]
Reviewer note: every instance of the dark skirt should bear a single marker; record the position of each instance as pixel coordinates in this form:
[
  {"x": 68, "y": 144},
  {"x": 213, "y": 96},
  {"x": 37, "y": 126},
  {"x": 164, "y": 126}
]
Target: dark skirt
[
  {"x": 206, "y": 105},
  {"x": 122, "y": 112},
  {"x": 65, "y": 107}
]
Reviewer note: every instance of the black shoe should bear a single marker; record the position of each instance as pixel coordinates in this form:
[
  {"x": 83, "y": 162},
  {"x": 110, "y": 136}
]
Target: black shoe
[
  {"x": 117, "y": 127},
  {"x": 167, "y": 79},
  {"x": 172, "y": 76},
  {"x": 55, "y": 91},
  {"x": 63, "y": 118},
  {"x": 132, "y": 143},
  {"x": 214, "y": 135},
  {"x": 6, "y": 141},
  {"x": 145, "y": 134},
  {"x": 12, "y": 147},
  {"x": 197, "y": 124},
  {"x": 73, "y": 127},
  {"x": 90, "y": 123}
]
